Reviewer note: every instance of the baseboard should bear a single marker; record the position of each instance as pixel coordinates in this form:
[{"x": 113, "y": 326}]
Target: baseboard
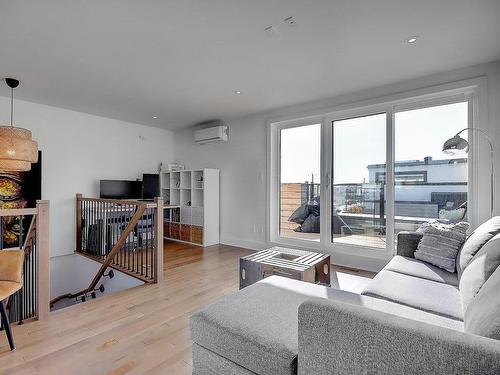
[
  {"x": 338, "y": 258},
  {"x": 251, "y": 245},
  {"x": 358, "y": 262}
]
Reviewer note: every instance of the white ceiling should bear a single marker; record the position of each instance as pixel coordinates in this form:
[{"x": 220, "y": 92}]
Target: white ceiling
[{"x": 182, "y": 60}]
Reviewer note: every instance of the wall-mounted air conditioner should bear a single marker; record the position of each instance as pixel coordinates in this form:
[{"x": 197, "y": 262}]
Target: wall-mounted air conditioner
[{"x": 212, "y": 134}]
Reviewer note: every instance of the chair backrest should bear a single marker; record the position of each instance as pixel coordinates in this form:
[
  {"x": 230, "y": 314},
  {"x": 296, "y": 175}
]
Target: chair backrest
[{"x": 11, "y": 265}]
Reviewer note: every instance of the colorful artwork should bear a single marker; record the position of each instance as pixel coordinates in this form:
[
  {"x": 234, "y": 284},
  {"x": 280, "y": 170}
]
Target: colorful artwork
[{"x": 18, "y": 190}]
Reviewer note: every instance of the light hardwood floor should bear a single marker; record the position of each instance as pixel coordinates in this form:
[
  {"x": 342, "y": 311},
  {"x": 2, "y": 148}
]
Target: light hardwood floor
[{"x": 143, "y": 330}]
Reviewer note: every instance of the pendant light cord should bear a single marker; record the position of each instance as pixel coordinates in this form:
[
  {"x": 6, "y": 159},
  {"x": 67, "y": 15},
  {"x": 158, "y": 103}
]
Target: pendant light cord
[{"x": 11, "y": 106}]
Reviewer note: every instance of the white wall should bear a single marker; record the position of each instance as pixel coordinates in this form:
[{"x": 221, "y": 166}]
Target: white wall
[
  {"x": 242, "y": 160},
  {"x": 78, "y": 150},
  {"x": 71, "y": 273}
]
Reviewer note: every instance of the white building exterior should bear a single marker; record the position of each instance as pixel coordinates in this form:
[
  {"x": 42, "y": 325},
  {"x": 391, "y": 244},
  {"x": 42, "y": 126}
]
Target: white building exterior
[{"x": 416, "y": 180}]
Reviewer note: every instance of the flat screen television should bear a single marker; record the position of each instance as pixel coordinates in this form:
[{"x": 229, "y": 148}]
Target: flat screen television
[
  {"x": 120, "y": 189},
  {"x": 150, "y": 186}
]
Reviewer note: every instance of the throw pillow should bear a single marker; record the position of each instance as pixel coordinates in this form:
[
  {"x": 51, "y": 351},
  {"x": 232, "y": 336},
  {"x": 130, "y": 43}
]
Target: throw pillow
[
  {"x": 440, "y": 243},
  {"x": 482, "y": 317},
  {"x": 479, "y": 269},
  {"x": 475, "y": 241}
]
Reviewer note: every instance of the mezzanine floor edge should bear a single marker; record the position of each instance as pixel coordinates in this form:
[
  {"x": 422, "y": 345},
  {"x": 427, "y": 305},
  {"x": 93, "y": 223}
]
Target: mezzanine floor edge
[{"x": 143, "y": 330}]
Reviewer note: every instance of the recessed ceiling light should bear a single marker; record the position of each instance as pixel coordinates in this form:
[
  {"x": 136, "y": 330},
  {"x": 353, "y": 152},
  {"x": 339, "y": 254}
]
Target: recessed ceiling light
[
  {"x": 154, "y": 117},
  {"x": 290, "y": 21},
  {"x": 270, "y": 31},
  {"x": 412, "y": 39},
  {"x": 237, "y": 92}
]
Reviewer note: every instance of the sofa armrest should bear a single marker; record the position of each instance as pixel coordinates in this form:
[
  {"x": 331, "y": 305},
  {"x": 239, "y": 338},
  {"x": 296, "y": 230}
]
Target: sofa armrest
[
  {"x": 340, "y": 338},
  {"x": 407, "y": 243}
]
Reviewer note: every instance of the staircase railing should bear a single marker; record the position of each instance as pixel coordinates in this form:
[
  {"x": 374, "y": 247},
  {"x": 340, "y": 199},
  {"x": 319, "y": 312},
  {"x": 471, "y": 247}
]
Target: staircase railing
[
  {"x": 28, "y": 229},
  {"x": 126, "y": 235}
]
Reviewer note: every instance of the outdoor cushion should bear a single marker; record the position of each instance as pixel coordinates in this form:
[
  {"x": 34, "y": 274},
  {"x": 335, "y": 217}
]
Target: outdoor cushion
[
  {"x": 311, "y": 224},
  {"x": 427, "y": 295},
  {"x": 417, "y": 268},
  {"x": 482, "y": 315},
  {"x": 475, "y": 241},
  {"x": 299, "y": 215},
  {"x": 479, "y": 269},
  {"x": 453, "y": 216}
]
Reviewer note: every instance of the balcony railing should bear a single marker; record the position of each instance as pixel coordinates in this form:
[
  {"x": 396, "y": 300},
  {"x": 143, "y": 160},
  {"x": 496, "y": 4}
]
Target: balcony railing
[{"x": 361, "y": 206}]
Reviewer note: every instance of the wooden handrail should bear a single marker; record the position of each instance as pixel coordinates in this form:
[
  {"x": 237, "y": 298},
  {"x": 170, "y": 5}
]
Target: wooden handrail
[
  {"x": 141, "y": 207},
  {"x": 18, "y": 211},
  {"x": 108, "y": 200},
  {"x": 80, "y": 198}
]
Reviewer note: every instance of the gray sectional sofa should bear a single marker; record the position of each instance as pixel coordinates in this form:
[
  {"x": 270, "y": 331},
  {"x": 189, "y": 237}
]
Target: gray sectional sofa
[{"x": 412, "y": 318}]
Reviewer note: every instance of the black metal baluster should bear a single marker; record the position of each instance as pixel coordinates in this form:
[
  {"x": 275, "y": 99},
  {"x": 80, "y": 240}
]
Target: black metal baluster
[
  {"x": 99, "y": 220},
  {"x": 137, "y": 248},
  {"x": 86, "y": 225},
  {"x": 34, "y": 273},
  {"x": 126, "y": 239},
  {"x": 147, "y": 254},
  {"x": 154, "y": 240},
  {"x": 124, "y": 243},
  {"x": 22, "y": 291},
  {"x": 1, "y": 232},
  {"x": 132, "y": 246}
]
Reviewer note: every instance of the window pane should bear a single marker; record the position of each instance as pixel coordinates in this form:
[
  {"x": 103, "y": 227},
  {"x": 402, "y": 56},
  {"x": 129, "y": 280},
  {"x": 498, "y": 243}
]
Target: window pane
[
  {"x": 440, "y": 191},
  {"x": 300, "y": 176},
  {"x": 358, "y": 203}
]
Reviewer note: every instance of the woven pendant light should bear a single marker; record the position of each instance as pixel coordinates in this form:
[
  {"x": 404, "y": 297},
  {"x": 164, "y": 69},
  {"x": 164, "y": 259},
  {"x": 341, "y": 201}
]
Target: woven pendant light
[{"x": 17, "y": 149}]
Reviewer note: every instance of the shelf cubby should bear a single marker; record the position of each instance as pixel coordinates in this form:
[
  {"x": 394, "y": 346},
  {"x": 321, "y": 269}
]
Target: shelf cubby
[
  {"x": 185, "y": 180},
  {"x": 175, "y": 197},
  {"x": 196, "y": 194},
  {"x": 197, "y": 180},
  {"x": 175, "y": 180},
  {"x": 185, "y": 197},
  {"x": 197, "y": 198}
]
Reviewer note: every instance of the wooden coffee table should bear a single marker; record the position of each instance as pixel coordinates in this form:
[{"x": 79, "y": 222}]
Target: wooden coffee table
[{"x": 295, "y": 264}]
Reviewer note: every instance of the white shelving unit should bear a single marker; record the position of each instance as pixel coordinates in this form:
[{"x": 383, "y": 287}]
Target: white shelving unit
[{"x": 196, "y": 191}]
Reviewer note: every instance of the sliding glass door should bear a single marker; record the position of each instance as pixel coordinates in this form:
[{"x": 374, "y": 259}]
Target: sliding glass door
[
  {"x": 429, "y": 184},
  {"x": 299, "y": 204},
  {"x": 358, "y": 214},
  {"x": 349, "y": 181}
]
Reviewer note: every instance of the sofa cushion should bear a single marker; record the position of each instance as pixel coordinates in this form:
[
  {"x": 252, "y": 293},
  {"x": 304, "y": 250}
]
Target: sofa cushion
[
  {"x": 257, "y": 327},
  {"x": 424, "y": 270},
  {"x": 482, "y": 316},
  {"x": 206, "y": 362},
  {"x": 440, "y": 243},
  {"x": 475, "y": 241},
  {"x": 426, "y": 295},
  {"x": 479, "y": 269}
]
